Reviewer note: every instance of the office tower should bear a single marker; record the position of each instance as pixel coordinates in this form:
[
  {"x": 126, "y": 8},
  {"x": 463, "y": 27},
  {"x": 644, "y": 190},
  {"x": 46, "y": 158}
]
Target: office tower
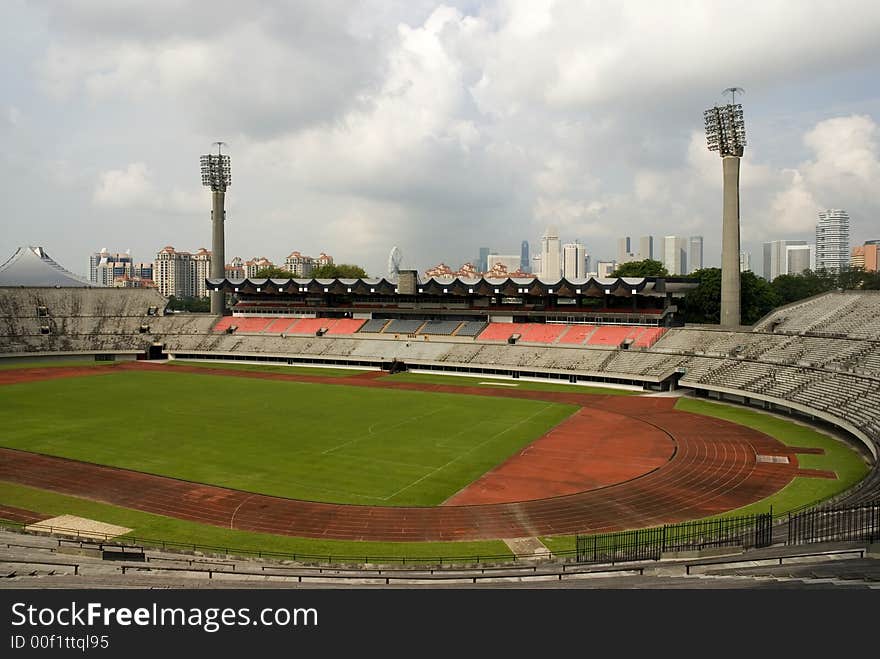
[
  {"x": 797, "y": 259},
  {"x": 483, "y": 259},
  {"x": 695, "y": 253},
  {"x": 524, "y": 263},
  {"x": 550, "y": 255},
  {"x": 625, "y": 252},
  {"x": 675, "y": 255},
  {"x": 832, "y": 240},
  {"x": 745, "y": 261},
  {"x": 866, "y": 256},
  {"x": 574, "y": 261},
  {"x": 776, "y": 257},
  {"x": 646, "y": 248}
]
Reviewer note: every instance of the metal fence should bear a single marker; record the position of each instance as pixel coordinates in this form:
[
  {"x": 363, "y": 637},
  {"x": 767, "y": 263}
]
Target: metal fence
[
  {"x": 747, "y": 531},
  {"x": 835, "y": 524}
]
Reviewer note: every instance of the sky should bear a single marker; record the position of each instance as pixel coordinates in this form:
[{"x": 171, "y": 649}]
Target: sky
[{"x": 439, "y": 128}]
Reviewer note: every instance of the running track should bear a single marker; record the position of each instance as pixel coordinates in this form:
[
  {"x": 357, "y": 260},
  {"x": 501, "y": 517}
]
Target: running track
[{"x": 711, "y": 468}]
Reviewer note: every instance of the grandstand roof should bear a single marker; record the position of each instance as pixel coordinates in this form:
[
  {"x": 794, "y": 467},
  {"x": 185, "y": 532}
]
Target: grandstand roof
[
  {"x": 32, "y": 266},
  {"x": 486, "y": 286}
]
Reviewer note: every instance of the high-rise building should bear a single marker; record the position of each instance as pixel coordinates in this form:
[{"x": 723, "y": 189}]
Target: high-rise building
[
  {"x": 574, "y": 261},
  {"x": 175, "y": 273},
  {"x": 524, "y": 263},
  {"x": 105, "y": 267},
  {"x": 675, "y": 255},
  {"x": 483, "y": 259},
  {"x": 625, "y": 252},
  {"x": 646, "y": 248},
  {"x": 252, "y": 267},
  {"x": 866, "y": 256},
  {"x": 510, "y": 262},
  {"x": 745, "y": 261},
  {"x": 201, "y": 261},
  {"x": 797, "y": 259},
  {"x": 551, "y": 268},
  {"x": 235, "y": 269},
  {"x": 832, "y": 240},
  {"x": 776, "y": 260},
  {"x": 605, "y": 268},
  {"x": 695, "y": 253}
]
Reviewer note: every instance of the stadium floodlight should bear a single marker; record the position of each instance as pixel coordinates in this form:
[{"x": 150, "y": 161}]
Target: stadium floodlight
[
  {"x": 725, "y": 129},
  {"x": 216, "y": 170},
  {"x": 726, "y": 134},
  {"x": 217, "y": 175}
]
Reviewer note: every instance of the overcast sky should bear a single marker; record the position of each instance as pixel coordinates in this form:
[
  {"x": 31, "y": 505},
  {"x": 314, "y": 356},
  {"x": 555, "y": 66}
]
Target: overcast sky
[{"x": 357, "y": 126}]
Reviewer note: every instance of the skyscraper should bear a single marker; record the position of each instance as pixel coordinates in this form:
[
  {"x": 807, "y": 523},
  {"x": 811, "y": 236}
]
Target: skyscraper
[
  {"x": 832, "y": 240},
  {"x": 797, "y": 259},
  {"x": 646, "y": 248},
  {"x": 524, "y": 263},
  {"x": 574, "y": 261},
  {"x": 483, "y": 259},
  {"x": 745, "y": 261},
  {"x": 675, "y": 255},
  {"x": 550, "y": 255},
  {"x": 105, "y": 267},
  {"x": 776, "y": 260},
  {"x": 624, "y": 250},
  {"x": 695, "y": 253}
]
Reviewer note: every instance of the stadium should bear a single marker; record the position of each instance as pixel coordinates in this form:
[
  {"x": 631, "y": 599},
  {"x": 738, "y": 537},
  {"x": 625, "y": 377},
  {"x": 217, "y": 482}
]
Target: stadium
[{"x": 483, "y": 430}]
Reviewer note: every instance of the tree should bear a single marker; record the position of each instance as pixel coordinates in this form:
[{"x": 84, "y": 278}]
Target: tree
[
  {"x": 758, "y": 298},
  {"x": 194, "y": 304},
  {"x": 273, "y": 272},
  {"x": 339, "y": 271},
  {"x": 703, "y": 304},
  {"x": 646, "y": 268},
  {"x": 791, "y": 288}
]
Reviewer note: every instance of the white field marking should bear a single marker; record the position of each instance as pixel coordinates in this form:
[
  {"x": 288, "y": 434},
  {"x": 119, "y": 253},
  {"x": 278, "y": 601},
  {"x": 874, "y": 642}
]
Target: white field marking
[
  {"x": 370, "y": 432},
  {"x": 500, "y": 384},
  {"x": 237, "y": 508},
  {"x": 472, "y": 449}
]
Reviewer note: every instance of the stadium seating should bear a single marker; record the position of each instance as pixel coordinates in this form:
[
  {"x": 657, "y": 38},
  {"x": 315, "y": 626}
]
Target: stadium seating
[
  {"x": 403, "y": 326},
  {"x": 440, "y": 327},
  {"x": 374, "y": 325},
  {"x": 499, "y": 331},
  {"x": 576, "y": 334},
  {"x": 609, "y": 335},
  {"x": 471, "y": 328}
]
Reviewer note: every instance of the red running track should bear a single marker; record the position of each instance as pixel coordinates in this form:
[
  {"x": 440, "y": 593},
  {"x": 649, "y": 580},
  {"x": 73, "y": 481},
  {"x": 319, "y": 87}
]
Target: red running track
[{"x": 713, "y": 468}]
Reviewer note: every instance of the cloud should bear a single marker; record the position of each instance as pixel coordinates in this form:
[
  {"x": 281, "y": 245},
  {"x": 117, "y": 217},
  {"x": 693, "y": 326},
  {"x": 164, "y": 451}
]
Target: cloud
[
  {"x": 124, "y": 188},
  {"x": 133, "y": 188}
]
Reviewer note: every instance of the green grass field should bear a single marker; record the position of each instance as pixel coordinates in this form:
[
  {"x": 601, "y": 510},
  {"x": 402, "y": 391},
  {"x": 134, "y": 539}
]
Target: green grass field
[
  {"x": 37, "y": 363},
  {"x": 318, "y": 442},
  {"x": 839, "y": 458},
  {"x": 490, "y": 383},
  {"x": 270, "y": 368}
]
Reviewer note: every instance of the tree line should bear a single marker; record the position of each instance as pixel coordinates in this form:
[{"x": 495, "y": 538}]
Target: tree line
[{"x": 759, "y": 297}]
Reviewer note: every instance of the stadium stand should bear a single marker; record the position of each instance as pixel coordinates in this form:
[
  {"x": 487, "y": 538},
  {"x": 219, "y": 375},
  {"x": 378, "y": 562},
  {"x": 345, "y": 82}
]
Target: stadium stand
[
  {"x": 403, "y": 326},
  {"x": 440, "y": 327},
  {"x": 374, "y": 325},
  {"x": 576, "y": 334},
  {"x": 471, "y": 328}
]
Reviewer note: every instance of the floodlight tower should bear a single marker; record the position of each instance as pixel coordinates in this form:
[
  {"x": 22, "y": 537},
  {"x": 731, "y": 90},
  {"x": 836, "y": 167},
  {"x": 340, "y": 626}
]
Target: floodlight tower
[
  {"x": 217, "y": 175},
  {"x": 726, "y": 133}
]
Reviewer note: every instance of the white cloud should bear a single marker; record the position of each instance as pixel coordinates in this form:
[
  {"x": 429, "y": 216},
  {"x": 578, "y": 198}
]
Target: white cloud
[
  {"x": 124, "y": 188},
  {"x": 134, "y": 188}
]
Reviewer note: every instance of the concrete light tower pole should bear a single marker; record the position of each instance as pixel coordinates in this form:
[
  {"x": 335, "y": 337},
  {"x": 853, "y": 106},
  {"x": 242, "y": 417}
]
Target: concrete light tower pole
[
  {"x": 217, "y": 175},
  {"x": 726, "y": 133}
]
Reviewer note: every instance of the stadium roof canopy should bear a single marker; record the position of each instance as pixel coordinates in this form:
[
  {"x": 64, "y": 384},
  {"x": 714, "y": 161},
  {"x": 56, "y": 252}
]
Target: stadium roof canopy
[
  {"x": 32, "y": 266},
  {"x": 482, "y": 286}
]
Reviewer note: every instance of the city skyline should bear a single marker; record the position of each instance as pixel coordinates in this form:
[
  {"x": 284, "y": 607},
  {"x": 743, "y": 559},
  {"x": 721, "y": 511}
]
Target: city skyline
[{"x": 424, "y": 130}]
